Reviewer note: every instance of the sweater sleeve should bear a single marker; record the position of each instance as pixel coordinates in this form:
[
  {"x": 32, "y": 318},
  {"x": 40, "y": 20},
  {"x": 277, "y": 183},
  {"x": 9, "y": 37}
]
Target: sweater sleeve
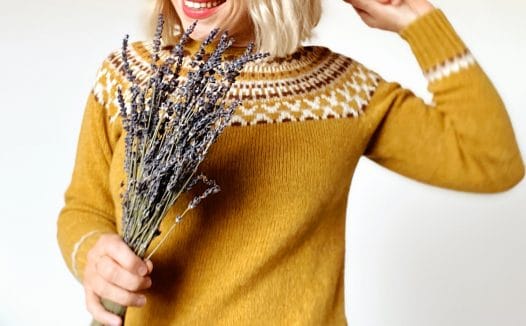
[
  {"x": 88, "y": 209},
  {"x": 464, "y": 140}
]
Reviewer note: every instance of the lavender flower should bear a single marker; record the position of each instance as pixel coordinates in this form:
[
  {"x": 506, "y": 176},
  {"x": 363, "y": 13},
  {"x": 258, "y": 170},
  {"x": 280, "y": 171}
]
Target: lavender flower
[{"x": 170, "y": 124}]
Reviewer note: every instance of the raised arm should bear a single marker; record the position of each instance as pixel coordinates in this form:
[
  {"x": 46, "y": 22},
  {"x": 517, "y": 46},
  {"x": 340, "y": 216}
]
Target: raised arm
[
  {"x": 464, "y": 140},
  {"x": 88, "y": 210}
]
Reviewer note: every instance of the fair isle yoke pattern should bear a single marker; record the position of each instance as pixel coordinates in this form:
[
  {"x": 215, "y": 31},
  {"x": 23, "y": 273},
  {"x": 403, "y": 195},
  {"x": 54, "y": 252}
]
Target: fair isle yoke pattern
[{"x": 275, "y": 91}]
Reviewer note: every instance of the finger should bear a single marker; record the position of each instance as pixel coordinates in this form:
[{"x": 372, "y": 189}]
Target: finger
[
  {"x": 98, "y": 312},
  {"x": 390, "y": 2},
  {"x": 372, "y": 7},
  {"x": 107, "y": 290},
  {"x": 149, "y": 263},
  {"x": 115, "y": 274},
  {"x": 394, "y": 3},
  {"x": 366, "y": 17},
  {"x": 355, "y": 3},
  {"x": 122, "y": 254}
]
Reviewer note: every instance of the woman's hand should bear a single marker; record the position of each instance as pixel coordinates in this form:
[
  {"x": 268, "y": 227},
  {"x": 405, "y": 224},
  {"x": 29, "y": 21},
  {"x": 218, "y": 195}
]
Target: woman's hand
[
  {"x": 114, "y": 272},
  {"x": 390, "y": 15}
]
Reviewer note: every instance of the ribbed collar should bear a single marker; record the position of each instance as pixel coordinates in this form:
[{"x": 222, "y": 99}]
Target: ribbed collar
[
  {"x": 303, "y": 59},
  {"x": 192, "y": 46}
]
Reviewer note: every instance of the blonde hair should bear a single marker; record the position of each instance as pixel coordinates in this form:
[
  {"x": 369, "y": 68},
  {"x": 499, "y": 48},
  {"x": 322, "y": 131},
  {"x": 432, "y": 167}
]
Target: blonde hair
[{"x": 280, "y": 26}]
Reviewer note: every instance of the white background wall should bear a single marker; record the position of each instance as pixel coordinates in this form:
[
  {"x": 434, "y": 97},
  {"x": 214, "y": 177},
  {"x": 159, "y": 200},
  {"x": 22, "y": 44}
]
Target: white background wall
[{"x": 416, "y": 254}]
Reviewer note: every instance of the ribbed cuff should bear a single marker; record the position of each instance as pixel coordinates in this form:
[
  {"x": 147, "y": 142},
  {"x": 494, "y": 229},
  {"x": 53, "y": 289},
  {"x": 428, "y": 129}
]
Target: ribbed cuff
[
  {"x": 79, "y": 257},
  {"x": 433, "y": 39},
  {"x": 77, "y": 232}
]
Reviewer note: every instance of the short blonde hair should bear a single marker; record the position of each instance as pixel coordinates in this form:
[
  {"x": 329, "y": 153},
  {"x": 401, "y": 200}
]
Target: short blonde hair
[{"x": 280, "y": 26}]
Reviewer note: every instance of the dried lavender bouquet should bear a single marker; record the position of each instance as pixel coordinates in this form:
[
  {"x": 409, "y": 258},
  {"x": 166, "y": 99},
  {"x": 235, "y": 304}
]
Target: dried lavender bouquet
[{"x": 170, "y": 124}]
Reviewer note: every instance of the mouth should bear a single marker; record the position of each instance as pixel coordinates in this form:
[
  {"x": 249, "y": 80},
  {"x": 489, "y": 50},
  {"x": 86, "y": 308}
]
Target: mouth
[{"x": 200, "y": 9}]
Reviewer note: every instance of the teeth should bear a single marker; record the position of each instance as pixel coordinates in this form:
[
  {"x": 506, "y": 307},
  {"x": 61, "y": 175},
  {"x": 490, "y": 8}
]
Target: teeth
[{"x": 202, "y": 5}]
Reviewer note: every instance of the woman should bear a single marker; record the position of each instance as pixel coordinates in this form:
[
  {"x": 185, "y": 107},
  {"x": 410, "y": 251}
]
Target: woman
[{"x": 269, "y": 248}]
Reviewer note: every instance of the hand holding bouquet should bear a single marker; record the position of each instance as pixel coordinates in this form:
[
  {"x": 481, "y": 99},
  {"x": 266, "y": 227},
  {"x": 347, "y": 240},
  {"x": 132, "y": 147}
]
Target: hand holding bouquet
[{"x": 170, "y": 124}]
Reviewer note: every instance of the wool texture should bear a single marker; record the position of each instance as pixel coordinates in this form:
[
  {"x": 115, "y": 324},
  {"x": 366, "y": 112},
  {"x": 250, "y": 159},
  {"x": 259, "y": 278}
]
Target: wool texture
[{"x": 269, "y": 248}]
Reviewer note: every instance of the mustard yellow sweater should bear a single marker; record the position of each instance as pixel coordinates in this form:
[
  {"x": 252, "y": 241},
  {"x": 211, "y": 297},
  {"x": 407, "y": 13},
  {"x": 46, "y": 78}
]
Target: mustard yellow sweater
[{"x": 269, "y": 248}]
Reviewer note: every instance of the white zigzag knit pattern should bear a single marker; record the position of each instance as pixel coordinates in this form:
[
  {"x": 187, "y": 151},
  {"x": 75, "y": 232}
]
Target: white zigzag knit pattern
[
  {"x": 315, "y": 84},
  {"x": 450, "y": 67}
]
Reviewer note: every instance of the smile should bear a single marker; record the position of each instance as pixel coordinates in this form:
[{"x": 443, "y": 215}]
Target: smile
[
  {"x": 201, "y": 9},
  {"x": 203, "y": 4}
]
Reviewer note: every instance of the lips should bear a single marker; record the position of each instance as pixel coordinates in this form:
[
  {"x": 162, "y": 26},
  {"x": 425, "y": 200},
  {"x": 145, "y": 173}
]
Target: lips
[{"x": 200, "y": 9}]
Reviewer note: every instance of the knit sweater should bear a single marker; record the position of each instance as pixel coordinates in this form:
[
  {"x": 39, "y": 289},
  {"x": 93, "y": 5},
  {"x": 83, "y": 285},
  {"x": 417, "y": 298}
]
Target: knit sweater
[{"x": 269, "y": 248}]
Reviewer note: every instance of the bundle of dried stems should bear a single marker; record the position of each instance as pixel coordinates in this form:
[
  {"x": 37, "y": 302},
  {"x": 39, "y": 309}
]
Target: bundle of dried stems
[{"x": 170, "y": 124}]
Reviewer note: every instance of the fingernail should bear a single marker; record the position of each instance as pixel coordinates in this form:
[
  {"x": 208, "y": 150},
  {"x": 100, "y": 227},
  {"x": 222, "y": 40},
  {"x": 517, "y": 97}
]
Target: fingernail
[
  {"x": 143, "y": 270},
  {"x": 141, "y": 301}
]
